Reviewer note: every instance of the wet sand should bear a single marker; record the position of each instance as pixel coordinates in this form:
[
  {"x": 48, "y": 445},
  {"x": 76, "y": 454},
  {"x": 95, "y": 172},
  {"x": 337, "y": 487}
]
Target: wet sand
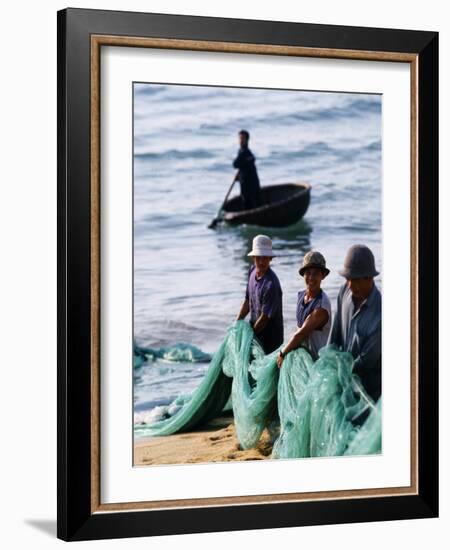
[{"x": 215, "y": 442}]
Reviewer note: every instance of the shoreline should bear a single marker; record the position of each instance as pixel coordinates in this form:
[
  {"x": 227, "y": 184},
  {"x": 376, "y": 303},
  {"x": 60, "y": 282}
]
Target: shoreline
[{"x": 214, "y": 442}]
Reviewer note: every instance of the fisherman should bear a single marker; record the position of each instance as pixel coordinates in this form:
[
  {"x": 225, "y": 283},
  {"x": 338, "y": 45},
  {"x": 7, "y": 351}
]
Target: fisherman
[
  {"x": 357, "y": 324},
  {"x": 313, "y": 309},
  {"x": 247, "y": 174},
  {"x": 263, "y": 297}
]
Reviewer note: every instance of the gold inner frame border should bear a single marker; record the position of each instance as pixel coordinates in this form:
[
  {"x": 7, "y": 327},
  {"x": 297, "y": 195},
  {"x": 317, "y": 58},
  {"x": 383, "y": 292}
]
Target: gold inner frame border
[{"x": 97, "y": 41}]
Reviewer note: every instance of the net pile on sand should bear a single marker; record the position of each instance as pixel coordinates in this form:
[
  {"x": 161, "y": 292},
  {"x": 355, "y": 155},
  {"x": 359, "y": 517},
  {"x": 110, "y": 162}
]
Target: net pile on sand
[{"x": 317, "y": 402}]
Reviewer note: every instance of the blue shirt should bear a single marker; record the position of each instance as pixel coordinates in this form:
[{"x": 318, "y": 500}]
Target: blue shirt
[
  {"x": 318, "y": 338},
  {"x": 303, "y": 310},
  {"x": 359, "y": 332},
  {"x": 265, "y": 296}
]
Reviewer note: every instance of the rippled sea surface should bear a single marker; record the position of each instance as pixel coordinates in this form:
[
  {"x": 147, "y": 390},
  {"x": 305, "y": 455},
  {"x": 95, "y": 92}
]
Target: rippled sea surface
[{"x": 189, "y": 281}]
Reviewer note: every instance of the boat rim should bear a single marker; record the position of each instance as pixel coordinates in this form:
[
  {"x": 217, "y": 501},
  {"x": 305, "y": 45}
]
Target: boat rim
[{"x": 304, "y": 187}]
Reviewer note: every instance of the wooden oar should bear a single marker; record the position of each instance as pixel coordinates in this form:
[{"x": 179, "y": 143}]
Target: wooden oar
[{"x": 219, "y": 216}]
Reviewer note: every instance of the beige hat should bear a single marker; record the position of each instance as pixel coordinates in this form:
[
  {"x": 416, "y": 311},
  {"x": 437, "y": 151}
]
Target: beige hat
[
  {"x": 314, "y": 259},
  {"x": 262, "y": 246}
]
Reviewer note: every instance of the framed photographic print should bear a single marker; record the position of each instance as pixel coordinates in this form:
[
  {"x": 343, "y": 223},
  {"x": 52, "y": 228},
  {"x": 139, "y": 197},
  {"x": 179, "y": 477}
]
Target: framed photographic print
[{"x": 247, "y": 210}]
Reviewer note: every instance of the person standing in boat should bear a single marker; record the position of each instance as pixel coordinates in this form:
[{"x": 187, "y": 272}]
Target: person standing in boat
[
  {"x": 357, "y": 324},
  {"x": 247, "y": 174},
  {"x": 263, "y": 297},
  {"x": 313, "y": 309}
]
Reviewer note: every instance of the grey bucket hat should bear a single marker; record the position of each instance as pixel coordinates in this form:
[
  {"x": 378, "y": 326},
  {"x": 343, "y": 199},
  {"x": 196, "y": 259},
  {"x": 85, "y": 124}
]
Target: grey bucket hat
[
  {"x": 314, "y": 259},
  {"x": 359, "y": 262}
]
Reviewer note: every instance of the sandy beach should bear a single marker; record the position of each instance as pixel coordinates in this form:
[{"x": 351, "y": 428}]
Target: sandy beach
[{"x": 215, "y": 442}]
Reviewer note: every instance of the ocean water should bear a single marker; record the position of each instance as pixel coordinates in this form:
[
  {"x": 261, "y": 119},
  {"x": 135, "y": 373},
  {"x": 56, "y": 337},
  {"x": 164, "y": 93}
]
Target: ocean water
[{"x": 189, "y": 281}]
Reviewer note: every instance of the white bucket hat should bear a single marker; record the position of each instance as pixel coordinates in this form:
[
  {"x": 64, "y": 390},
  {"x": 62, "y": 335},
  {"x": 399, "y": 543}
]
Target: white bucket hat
[{"x": 262, "y": 246}]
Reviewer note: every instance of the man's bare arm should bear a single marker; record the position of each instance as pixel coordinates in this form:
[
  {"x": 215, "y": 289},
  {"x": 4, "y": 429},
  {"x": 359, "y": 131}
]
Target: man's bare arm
[
  {"x": 260, "y": 323},
  {"x": 245, "y": 308},
  {"x": 318, "y": 318}
]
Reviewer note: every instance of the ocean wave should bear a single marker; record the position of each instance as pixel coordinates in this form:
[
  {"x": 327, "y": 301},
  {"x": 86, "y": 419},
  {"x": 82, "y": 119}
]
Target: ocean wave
[
  {"x": 147, "y": 89},
  {"x": 321, "y": 149},
  {"x": 355, "y": 109},
  {"x": 177, "y": 154}
]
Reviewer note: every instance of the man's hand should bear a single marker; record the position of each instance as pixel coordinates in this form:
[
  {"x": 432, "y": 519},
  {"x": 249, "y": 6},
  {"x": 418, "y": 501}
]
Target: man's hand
[
  {"x": 260, "y": 323},
  {"x": 280, "y": 359}
]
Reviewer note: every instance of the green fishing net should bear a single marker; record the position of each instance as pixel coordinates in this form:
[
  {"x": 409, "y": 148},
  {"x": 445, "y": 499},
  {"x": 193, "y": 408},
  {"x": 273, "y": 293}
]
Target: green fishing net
[
  {"x": 186, "y": 353},
  {"x": 318, "y": 403}
]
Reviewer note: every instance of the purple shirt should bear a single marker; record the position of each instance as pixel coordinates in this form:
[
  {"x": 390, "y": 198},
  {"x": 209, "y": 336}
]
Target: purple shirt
[{"x": 265, "y": 296}]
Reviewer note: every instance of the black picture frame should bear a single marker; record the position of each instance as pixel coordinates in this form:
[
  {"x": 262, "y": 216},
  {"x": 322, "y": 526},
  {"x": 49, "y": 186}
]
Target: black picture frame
[{"x": 76, "y": 518}]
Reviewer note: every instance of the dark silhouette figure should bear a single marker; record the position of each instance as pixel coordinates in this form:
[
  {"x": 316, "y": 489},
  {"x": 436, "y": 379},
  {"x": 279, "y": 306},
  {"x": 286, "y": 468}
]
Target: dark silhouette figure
[{"x": 247, "y": 175}]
